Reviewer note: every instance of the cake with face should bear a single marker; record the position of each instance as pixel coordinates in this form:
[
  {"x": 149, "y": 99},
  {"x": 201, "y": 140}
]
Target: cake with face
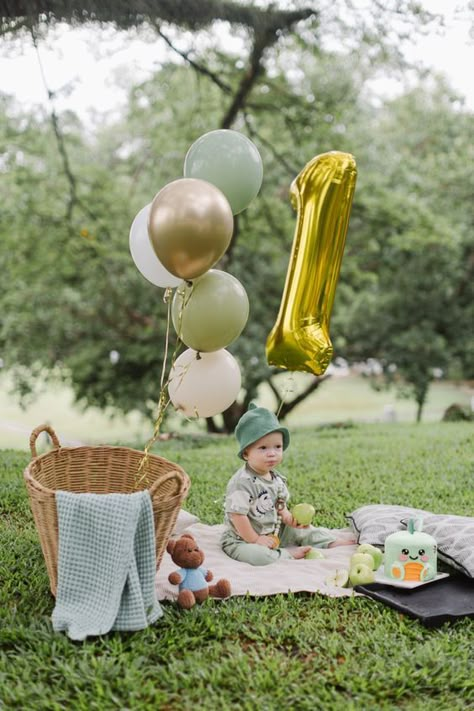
[{"x": 410, "y": 555}]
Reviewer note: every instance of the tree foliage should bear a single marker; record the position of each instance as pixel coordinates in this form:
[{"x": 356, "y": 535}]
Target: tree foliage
[
  {"x": 71, "y": 295},
  {"x": 415, "y": 310}
]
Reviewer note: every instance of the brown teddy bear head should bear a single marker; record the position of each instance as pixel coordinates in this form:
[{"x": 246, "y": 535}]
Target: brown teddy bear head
[{"x": 185, "y": 552}]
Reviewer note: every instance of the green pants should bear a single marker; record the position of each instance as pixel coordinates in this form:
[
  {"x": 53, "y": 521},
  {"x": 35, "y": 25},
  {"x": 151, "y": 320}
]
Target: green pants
[{"x": 256, "y": 554}]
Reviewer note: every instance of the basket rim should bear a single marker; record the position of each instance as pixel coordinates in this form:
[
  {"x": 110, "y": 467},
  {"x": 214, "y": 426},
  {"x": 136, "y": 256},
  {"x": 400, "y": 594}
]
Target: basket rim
[{"x": 60, "y": 451}]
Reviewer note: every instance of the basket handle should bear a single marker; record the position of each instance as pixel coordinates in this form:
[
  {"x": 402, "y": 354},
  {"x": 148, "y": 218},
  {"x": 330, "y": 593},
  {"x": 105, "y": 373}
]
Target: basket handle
[
  {"x": 35, "y": 434},
  {"x": 174, "y": 474}
]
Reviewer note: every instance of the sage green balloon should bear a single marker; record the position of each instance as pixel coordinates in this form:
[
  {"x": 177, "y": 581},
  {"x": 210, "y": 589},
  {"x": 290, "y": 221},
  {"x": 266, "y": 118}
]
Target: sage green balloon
[
  {"x": 230, "y": 161},
  {"x": 211, "y": 313}
]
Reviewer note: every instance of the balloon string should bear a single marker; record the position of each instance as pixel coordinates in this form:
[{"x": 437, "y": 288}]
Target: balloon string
[
  {"x": 163, "y": 403},
  {"x": 167, "y": 300},
  {"x": 289, "y": 388},
  {"x": 163, "y": 398}
]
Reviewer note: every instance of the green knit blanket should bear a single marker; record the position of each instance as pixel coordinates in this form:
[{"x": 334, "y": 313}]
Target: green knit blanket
[{"x": 106, "y": 564}]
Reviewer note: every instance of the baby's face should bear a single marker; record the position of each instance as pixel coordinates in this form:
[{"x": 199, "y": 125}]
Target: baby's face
[{"x": 266, "y": 453}]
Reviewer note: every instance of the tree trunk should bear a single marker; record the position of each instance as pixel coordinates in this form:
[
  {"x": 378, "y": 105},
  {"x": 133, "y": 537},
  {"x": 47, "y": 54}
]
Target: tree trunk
[{"x": 421, "y": 394}]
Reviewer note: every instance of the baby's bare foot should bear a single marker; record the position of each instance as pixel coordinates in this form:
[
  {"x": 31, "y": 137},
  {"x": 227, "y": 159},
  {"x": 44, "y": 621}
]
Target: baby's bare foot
[
  {"x": 342, "y": 542},
  {"x": 298, "y": 552}
]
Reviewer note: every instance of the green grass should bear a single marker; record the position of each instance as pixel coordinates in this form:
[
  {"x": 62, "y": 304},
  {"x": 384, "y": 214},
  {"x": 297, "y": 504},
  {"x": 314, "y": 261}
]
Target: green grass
[
  {"x": 282, "y": 652},
  {"x": 337, "y": 399}
]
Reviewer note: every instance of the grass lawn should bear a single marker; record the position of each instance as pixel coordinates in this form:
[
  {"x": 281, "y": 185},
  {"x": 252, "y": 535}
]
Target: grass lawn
[
  {"x": 283, "y": 652},
  {"x": 338, "y": 399}
]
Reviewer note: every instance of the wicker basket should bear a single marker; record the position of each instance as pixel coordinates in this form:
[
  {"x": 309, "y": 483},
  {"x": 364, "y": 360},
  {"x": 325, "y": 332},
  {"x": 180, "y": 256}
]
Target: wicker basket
[{"x": 99, "y": 470}]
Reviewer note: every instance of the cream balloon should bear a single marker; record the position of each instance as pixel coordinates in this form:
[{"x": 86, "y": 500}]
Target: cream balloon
[
  {"x": 190, "y": 226},
  {"x": 144, "y": 256},
  {"x": 204, "y": 384}
]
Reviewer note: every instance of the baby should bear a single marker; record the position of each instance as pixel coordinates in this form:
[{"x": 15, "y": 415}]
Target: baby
[{"x": 259, "y": 528}]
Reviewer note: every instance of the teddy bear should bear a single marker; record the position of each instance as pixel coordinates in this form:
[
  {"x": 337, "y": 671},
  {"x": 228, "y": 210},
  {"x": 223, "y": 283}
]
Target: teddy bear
[{"x": 192, "y": 578}]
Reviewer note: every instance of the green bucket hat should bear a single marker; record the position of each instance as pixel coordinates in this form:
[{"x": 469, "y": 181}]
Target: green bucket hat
[{"x": 256, "y": 423}]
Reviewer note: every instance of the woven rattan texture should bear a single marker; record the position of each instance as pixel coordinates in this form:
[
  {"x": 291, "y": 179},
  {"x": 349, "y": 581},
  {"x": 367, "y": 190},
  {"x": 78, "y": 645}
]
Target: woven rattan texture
[{"x": 99, "y": 470}]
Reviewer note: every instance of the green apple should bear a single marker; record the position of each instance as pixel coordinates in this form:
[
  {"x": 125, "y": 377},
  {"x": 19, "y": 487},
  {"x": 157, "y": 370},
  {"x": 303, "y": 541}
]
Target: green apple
[
  {"x": 364, "y": 559},
  {"x": 376, "y": 554},
  {"x": 314, "y": 554},
  {"x": 303, "y": 514},
  {"x": 361, "y": 574},
  {"x": 339, "y": 579}
]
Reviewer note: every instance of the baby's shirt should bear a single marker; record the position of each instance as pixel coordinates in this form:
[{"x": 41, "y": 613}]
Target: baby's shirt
[{"x": 250, "y": 494}]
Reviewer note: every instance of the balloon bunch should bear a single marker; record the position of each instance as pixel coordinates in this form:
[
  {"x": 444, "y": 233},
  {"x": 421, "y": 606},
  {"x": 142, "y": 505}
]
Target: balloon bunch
[{"x": 175, "y": 241}]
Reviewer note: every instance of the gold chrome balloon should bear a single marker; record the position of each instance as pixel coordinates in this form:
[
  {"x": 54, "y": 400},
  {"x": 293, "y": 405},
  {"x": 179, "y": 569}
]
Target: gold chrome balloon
[
  {"x": 190, "y": 226},
  {"x": 322, "y": 195}
]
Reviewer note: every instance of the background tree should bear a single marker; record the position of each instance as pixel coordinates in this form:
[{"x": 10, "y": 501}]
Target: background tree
[
  {"x": 68, "y": 211},
  {"x": 414, "y": 311}
]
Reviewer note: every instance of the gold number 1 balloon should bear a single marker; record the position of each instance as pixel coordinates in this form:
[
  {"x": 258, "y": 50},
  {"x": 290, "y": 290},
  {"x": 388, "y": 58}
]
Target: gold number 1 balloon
[{"x": 322, "y": 195}]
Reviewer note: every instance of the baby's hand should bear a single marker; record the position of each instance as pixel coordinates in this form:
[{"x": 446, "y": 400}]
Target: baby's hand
[
  {"x": 289, "y": 520},
  {"x": 267, "y": 541}
]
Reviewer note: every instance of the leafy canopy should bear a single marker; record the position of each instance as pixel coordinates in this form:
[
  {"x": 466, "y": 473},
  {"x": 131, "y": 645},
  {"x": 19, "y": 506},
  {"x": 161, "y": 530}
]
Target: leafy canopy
[{"x": 71, "y": 294}]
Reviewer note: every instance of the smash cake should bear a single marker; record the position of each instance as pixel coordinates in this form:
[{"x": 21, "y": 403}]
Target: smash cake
[{"x": 410, "y": 555}]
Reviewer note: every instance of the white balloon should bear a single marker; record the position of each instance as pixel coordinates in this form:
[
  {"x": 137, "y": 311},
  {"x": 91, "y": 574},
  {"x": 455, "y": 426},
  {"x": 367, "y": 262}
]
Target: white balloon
[
  {"x": 204, "y": 384},
  {"x": 144, "y": 255}
]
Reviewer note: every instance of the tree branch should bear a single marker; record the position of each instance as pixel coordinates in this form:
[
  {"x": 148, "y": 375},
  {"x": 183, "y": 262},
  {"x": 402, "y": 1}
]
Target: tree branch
[
  {"x": 124, "y": 14},
  {"x": 291, "y": 170},
  {"x": 58, "y": 135},
  {"x": 74, "y": 200},
  {"x": 286, "y": 406},
  {"x": 261, "y": 42},
  {"x": 198, "y": 67}
]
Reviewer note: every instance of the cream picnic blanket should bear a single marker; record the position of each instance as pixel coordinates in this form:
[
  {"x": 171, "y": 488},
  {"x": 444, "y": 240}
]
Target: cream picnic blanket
[{"x": 282, "y": 577}]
